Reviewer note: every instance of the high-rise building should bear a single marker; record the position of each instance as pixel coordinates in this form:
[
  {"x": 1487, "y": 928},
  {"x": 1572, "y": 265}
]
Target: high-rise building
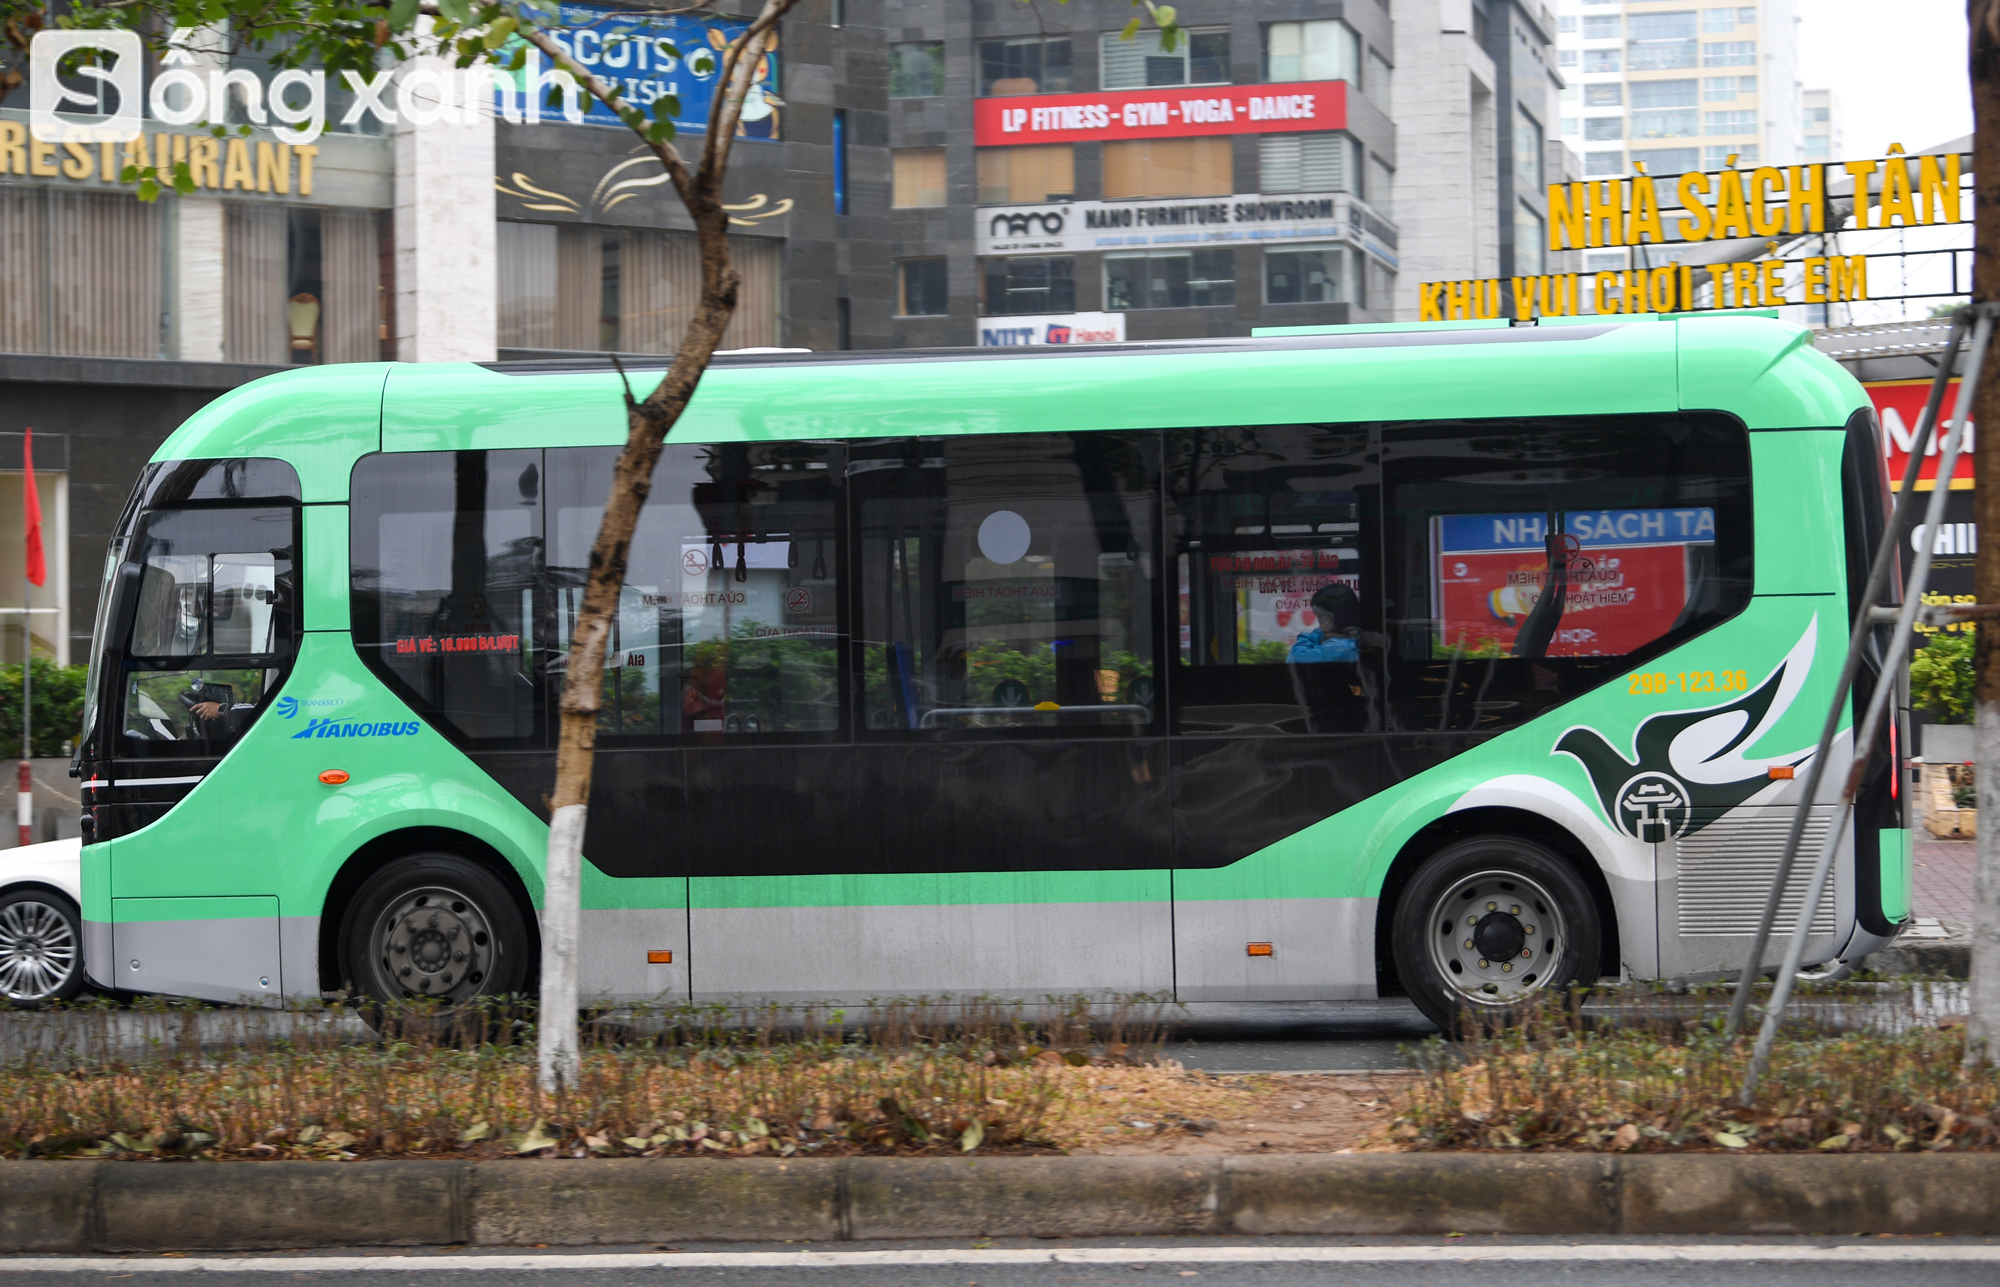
[
  {"x": 1677, "y": 88},
  {"x": 1476, "y": 110},
  {"x": 1821, "y": 122}
]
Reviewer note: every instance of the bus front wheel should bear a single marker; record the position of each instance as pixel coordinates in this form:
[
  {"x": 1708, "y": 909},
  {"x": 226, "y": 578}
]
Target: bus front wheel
[
  {"x": 433, "y": 925},
  {"x": 1489, "y": 922}
]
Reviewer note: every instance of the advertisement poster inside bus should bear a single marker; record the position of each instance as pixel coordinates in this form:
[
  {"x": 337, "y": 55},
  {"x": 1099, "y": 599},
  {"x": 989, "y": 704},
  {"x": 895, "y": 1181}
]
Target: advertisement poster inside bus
[
  {"x": 1627, "y": 569},
  {"x": 1272, "y": 594}
]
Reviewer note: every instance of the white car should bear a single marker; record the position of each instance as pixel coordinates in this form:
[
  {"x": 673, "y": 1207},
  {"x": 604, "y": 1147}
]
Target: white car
[{"x": 41, "y": 930}]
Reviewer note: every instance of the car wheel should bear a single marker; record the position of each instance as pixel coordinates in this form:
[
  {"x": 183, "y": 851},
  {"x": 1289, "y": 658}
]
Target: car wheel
[
  {"x": 1488, "y": 923},
  {"x": 433, "y": 925},
  {"x": 41, "y": 948}
]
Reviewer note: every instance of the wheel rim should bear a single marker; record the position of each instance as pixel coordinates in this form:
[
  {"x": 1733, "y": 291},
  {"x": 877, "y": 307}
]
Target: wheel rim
[
  {"x": 38, "y": 951},
  {"x": 435, "y": 942},
  {"x": 1495, "y": 936}
]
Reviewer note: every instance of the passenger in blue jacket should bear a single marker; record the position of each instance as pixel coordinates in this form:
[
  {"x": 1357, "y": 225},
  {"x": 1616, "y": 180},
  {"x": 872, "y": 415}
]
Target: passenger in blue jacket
[{"x": 1338, "y": 610}]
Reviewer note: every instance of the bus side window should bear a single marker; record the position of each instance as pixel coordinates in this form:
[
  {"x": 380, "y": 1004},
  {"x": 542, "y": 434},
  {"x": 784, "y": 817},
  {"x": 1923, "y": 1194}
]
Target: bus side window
[
  {"x": 1530, "y": 560},
  {"x": 1006, "y": 584},
  {"x": 1280, "y": 610},
  {"x": 728, "y": 624},
  {"x": 447, "y": 560}
]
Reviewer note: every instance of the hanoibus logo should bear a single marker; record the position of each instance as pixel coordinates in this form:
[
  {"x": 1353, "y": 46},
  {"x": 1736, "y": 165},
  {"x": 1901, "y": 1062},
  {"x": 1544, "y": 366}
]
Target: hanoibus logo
[{"x": 51, "y": 116}]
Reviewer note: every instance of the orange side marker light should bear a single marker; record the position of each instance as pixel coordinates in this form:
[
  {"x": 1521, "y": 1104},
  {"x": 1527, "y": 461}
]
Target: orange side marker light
[
  {"x": 659, "y": 958},
  {"x": 1782, "y": 772},
  {"x": 1259, "y": 949},
  {"x": 333, "y": 777}
]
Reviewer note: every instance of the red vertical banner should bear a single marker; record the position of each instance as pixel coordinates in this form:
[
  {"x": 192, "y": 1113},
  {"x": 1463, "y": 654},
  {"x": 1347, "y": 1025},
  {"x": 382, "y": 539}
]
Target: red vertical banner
[{"x": 31, "y": 504}]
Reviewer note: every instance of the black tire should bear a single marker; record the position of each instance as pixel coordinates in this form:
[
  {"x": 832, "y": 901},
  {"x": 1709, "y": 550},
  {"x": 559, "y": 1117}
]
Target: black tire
[
  {"x": 41, "y": 948},
  {"x": 1532, "y": 924},
  {"x": 432, "y": 925}
]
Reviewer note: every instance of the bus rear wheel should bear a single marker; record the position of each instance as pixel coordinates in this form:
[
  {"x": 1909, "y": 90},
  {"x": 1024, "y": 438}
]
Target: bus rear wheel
[
  {"x": 433, "y": 926},
  {"x": 1489, "y": 923}
]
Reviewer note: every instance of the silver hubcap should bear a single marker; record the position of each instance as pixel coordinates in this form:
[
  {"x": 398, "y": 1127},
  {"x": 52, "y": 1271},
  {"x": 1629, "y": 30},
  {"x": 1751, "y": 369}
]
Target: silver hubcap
[
  {"x": 1495, "y": 936},
  {"x": 435, "y": 942},
  {"x": 37, "y": 951}
]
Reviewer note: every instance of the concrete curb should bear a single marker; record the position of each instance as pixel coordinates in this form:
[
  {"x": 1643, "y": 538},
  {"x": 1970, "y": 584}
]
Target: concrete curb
[{"x": 132, "y": 1206}]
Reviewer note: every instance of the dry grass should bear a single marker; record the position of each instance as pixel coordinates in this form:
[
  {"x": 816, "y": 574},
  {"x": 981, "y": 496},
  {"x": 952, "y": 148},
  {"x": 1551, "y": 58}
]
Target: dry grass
[
  {"x": 906, "y": 1077},
  {"x": 1859, "y": 1068}
]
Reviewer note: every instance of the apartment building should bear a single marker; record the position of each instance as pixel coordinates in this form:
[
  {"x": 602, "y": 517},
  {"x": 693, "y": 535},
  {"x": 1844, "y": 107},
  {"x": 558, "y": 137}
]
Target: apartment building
[{"x": 1677, "y": 86}]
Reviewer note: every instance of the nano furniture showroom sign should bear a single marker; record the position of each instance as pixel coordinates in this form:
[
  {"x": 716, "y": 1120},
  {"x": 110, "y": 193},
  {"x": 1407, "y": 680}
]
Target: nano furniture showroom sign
[{"x": 1067, "y": 226}]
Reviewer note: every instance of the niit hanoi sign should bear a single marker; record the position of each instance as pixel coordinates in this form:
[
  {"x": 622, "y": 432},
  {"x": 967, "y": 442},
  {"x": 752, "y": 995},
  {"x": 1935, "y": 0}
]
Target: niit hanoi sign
[{"x": 1765, "y": 202}]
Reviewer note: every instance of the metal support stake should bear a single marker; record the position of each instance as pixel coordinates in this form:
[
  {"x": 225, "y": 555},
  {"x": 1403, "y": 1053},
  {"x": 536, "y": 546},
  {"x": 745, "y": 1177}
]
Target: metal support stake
[
  {"x": 1878, "y": 701},
  {"x": 1857, "y": 645}
]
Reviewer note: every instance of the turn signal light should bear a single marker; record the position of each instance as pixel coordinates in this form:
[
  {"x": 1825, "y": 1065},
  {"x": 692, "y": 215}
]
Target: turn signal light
[
  {"x": 1782, "y": 772},
  {"x": 659, "y": 958},
  {"x": 1259, "y": 949},
  {"x": 333, "y": 777}
]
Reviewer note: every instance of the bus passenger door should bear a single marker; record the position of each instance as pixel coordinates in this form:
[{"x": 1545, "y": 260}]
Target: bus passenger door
[{"x": 988, "y": 813}]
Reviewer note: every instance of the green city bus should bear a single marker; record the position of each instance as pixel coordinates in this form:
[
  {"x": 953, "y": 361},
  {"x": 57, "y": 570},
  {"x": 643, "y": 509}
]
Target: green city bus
[{"x": 1454, "y": 661}]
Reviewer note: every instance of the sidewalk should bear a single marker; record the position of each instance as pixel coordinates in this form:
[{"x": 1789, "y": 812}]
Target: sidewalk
[{"x": 1943, "y": 879}]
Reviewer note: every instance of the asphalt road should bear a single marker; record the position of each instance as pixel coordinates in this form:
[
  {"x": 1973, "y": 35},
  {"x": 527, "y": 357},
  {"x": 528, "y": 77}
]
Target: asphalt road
[{"x": 1470, "y": 1262}]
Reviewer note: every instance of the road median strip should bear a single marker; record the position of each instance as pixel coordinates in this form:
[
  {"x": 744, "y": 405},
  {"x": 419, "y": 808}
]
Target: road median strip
[{"x": 91, "y": 1206}]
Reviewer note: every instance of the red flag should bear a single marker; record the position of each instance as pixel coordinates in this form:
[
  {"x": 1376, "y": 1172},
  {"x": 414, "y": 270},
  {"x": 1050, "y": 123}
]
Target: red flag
[{"x": 38, "y": 564}]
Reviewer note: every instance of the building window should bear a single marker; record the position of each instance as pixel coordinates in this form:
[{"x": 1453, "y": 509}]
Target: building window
[
  {"x": 1728, "y": 53},
  {"x": 1814, "y": 115},
  {"x": 1167, "y": 168},
  {"x": 1730, "y": 123},
  {"x": 920, "y": 288},
  {"x": 1197, "y": 58},
  {"x": 1666, "y": 125},
  {"x": 1720, "y": 89},
  {"x": 1598, "y": 164},
  {"x": 1662, "y": 41},
  {"x": 1602, "y": 26},
  {"x": 1306, "y": 275},
  {"x": 1565, "y": 57},
  {"x": 1170, "y": 279},
  {"x": 1818, "y": 146},
  {"x": 919, "y": 176},
  {"x": 1718, "y": 20},
  {"x": 916, "y": 69},
  {"x": 1026, "y": 284},
  {"x": 1605, "y": 262},
  {"x": 1036, "y": 172},
  {"x": 1323, "y": 50},
  {"x": 1028, "y": 66},
  {"x": 1717, "y": 155},
  {"x": 1527, "y": 150},
  {"x": 1600, "y": 128},
  {"x": 1598, "y": 61},
  {"x": 1572, "y": 127},
  {"x": 1307, "y": 163},
  {"x": 1566, "y": 24},
  {"x": 1380, "y": 187},
  {"x": 1667, "y": 160},
  {"x": 1611, "y": 95},
  {"x": 1529, "y": 240},
  {"x": 840, "y": 160},
  {"x": 1663, "y": 93}
]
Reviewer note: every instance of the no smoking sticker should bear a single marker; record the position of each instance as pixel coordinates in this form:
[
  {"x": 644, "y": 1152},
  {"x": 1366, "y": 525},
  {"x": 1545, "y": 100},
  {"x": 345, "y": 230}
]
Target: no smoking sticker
[{"x": 799, "y": 599}]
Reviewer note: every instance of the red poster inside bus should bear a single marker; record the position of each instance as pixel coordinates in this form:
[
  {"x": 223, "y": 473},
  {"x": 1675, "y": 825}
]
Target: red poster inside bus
[{"x": 1627, "y": 578}]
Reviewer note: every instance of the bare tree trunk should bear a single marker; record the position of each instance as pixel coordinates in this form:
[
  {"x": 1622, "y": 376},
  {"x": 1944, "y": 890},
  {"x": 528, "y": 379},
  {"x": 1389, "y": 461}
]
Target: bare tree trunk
[
  {"x": 1984, "y": 1028},
  {"x": 648, "y": 423}
]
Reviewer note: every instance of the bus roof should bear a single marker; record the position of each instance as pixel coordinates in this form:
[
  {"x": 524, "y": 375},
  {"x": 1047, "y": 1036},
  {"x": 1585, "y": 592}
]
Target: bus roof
[{"x": 323, "y": 418}]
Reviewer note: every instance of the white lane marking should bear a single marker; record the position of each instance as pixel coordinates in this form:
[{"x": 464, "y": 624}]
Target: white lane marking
[{"x": 1448, "y": 1253}]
